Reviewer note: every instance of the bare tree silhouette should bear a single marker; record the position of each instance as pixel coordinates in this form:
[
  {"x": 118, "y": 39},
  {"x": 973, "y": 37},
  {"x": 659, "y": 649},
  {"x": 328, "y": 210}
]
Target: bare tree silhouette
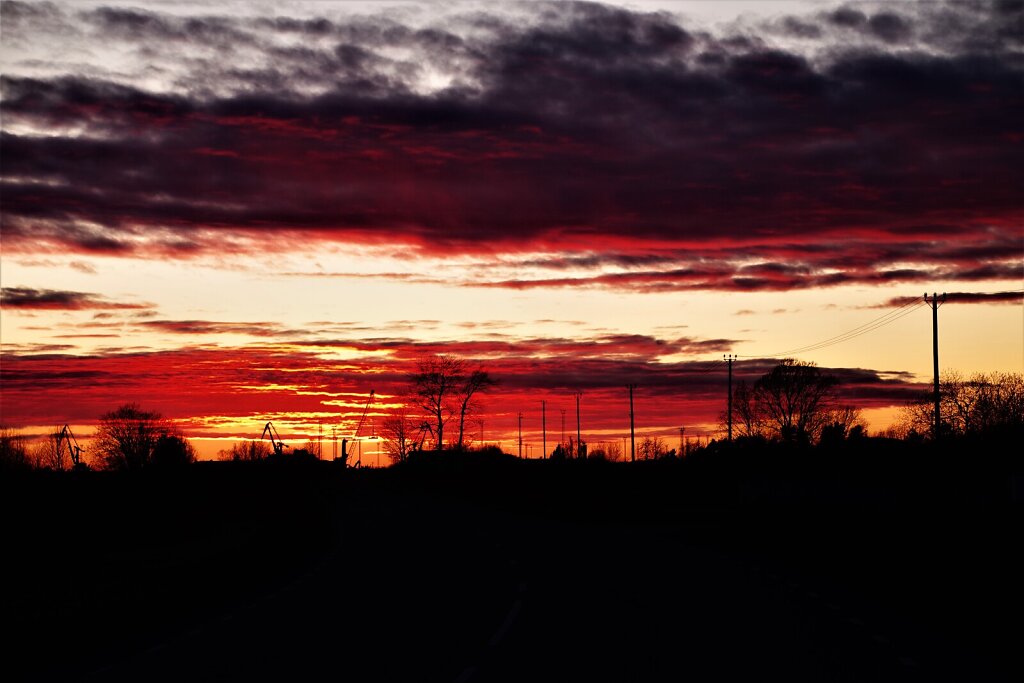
[
  {"x": 794, "y": 398},
  {"x": 443, "y": 388},
  {"x": 434, "y": 385},
  {"x": 979, "y": 403},
  {"x": 474, "y": 383},
  {"x": 248, "y": 450},
  {"x": 130, "y": 438},
  {"x": 399, "y": 432},
  {"x": 49, "y": 454}
]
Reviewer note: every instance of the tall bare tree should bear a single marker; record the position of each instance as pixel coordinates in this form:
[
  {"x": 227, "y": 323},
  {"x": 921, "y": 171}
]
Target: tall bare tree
[
  {"x": 50, "y": 454},
  {"x": 126, "y": 437},
  {"x": 131, "y": 438},
  {"x": 474, "y": 383},
  {"x": 748, "y": 419},
  {"x": 795, "y": 397},
  {"x": 435, "y": 385},
  {"x": 398, "y": 431}
]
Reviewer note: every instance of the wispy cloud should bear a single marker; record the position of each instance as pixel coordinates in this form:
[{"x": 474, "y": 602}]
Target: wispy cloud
[
  {"x": 1012, "y": 297},
  {"x": 27, "y": 298}
]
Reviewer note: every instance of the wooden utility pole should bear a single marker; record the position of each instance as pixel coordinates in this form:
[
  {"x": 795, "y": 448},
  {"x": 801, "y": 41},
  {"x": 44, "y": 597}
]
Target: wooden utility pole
[
  {"x": 632, "y": 430},
  {"x": 729, "y": 359},
  {"x": 935, "y": 302}
]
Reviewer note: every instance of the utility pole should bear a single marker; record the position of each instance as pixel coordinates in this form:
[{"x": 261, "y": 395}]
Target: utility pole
[
  {"x": 319, "y": 440},
  {"x": 520, "y": 435},
  {"x": 563, "y": 427},
  {"x": 632, "y": 430},
  {"x": 729, "y": 359},
  {"x": 935, "y": 302},
  {"x": 682, "y": 449},
  {"x": 578, "y": 442},
  {"x": 334, "y": 447},
  {"x": 544, "y": 429}
]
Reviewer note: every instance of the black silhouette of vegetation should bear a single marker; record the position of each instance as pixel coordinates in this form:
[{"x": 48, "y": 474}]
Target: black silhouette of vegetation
[
  {"x": 399, "y": 434},
  {"x": 912, "y": 535},
  {"x": 443, "y": 387},
  {"x": 246, "y": 451},
  {"x": 130, "y": 438},
  {"x": 14, "y": 453},
  {"x": 983, "y": 403},
  {"x": 794, "y": 402}
]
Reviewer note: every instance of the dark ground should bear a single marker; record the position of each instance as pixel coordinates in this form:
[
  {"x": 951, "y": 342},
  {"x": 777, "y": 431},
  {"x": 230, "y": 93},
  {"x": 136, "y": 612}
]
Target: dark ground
[{"x": 491, "y": 569}]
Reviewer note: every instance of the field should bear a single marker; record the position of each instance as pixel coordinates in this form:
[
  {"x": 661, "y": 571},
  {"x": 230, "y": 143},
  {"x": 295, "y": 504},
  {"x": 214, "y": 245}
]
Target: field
[{"x": 464, "y": 567}]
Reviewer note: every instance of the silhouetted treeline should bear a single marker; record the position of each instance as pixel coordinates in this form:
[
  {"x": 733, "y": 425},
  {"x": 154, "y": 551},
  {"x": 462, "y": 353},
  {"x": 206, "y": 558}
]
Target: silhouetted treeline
[
  {"x": 794, "y": 405},
  {"x": 981, "y": 403}
]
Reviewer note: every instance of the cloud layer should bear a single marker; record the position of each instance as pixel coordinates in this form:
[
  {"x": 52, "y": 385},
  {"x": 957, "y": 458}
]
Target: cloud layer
[
  {"x": 27, "y": 298},
  {"x": 239, "y": 389},
  {"x": 847, "y": 146}
]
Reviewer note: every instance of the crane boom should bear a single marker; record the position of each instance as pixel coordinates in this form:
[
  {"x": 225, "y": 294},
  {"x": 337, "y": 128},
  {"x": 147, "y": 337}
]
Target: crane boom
[
  {"x": 344, "y": 459},
  {"x": 363, "y": 416},
  {"x": 275, "y": 439},
  {"x": 65, "y": 437}
]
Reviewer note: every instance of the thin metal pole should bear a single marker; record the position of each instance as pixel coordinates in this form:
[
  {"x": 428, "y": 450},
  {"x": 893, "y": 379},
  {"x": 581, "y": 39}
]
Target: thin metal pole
[
  {"x": 544, "y": 429},
  {"x": 632, "y": 430},
  {"x": 520, "y": 435},
  {"x": 578, "y": 442}
]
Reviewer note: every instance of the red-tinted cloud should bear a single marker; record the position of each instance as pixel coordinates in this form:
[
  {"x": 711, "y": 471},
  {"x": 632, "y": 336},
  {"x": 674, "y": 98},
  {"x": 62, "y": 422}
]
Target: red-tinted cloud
[
  {"x": 892, "y": 134},
  {"x": 204, "y": 387},
  {"x": 204, "y": 327},
  {"x": 60, "y": 300},
  {"x": 1016, "y": 297}
]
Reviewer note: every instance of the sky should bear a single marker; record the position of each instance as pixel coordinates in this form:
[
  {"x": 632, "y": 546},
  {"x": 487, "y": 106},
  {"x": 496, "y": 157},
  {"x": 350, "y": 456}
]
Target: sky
[{"x": 234, "y": 213}]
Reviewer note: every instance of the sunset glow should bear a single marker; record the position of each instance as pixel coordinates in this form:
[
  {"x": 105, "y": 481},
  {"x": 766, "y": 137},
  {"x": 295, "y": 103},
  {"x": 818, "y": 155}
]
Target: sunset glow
[{"x": 233, "y": 215}]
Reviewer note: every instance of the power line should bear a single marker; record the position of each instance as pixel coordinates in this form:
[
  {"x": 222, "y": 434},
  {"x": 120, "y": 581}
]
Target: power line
[
  {"x": 870, "y": 326},
  {"x": 711, "y": 367}
]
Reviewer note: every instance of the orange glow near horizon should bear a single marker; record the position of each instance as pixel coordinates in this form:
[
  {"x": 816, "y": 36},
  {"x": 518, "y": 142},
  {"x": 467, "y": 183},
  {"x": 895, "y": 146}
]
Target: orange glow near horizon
[{"x": 273, "y": 249}]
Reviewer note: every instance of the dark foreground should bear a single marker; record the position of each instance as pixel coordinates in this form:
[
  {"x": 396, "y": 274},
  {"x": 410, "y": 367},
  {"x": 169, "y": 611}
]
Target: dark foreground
[{"x": 467, "y": 569}]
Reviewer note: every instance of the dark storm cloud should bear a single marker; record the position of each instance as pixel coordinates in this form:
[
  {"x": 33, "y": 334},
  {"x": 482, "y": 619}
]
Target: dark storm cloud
[
  {"x": 54, "y": 299},
  {"x": 563, "y": 124}
]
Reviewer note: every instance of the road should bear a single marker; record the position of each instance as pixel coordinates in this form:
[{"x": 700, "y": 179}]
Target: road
[{"x": 428, "y": 589}]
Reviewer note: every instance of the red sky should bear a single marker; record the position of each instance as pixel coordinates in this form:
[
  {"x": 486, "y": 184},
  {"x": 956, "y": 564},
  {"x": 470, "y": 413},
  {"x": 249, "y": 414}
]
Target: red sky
[{"x": 231, "y": 216}]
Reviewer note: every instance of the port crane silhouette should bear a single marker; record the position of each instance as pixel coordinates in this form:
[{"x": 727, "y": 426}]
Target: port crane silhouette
[
  {"x": 275, "y": 438},
  {"x": 67, "y": 439},
  {"x": 355, "y": 435}
]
